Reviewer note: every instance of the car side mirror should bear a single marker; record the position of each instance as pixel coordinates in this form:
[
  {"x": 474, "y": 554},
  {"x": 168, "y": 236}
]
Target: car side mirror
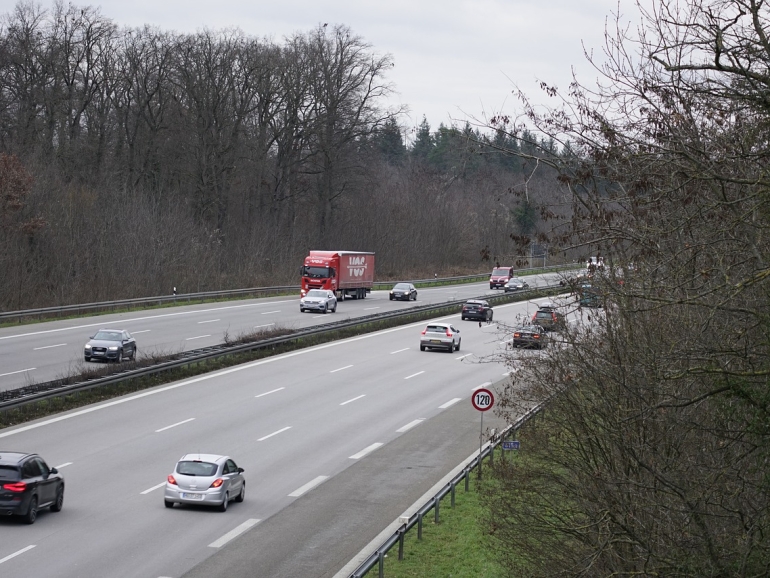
[
  {"x": 240, "y": 470},
  {"x": 53, "y": 471},
  {"x": 91, "y": 337},
  {"x": 458, "y": 331}
]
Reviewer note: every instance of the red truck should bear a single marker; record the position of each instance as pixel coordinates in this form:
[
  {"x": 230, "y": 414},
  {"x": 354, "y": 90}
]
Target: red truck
[{"x": 347, "y": 273}]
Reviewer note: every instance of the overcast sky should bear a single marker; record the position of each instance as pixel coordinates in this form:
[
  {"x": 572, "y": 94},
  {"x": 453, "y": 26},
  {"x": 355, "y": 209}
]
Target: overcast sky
[{"x": 454, "y": 59}]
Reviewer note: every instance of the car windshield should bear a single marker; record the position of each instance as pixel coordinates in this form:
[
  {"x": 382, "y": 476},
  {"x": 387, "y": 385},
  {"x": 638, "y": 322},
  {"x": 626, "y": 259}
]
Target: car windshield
[
  {"x": 472, "y": 304},
  {"x": 401, "y": 287},
  {"x": 436, "y": 329},
  {"x": 544, "y": 314},
  {"x": 193, "y": 468},
  {"x": 499, "y": 271},
  {"x": 315, "y": 272},
  {"x": 108, "y": 335},
  {"x": 9, "y": 473},
  {"x": 514, "y": 280},
  {"x": 316, "y": 293}
]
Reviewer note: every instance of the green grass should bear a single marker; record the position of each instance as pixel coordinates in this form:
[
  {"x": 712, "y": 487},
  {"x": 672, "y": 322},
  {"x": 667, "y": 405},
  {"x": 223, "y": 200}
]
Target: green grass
[{"x": 455, "y": 547}]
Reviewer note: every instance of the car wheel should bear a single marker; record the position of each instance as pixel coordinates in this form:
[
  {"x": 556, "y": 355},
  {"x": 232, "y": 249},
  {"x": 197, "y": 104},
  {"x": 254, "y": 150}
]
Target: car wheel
[
  {"x": 87, "y": 358},
  {"x": 242, "y": 495},
  {"x": 458, "y": 345},
  {"x": 168, "y": 503},
  {"x": 133, "y": 354},
  {"x": 301, "y": 310},
  {"x": 462, "y": 317},
  {"x": 223, "y": 505},
  {"x": 390, "y": 297},
  {"x": 120, "y": 356},
  {"x": 326, "y": 309},
  {"x": 59, "y": 502},
  {"x": 415, "y": 297},
  {"x": 31, "y": 515},
  {"x": 335, "y": 308},
  {"x": 489, "y": 317},
  {"x": 422, "y": 348}
]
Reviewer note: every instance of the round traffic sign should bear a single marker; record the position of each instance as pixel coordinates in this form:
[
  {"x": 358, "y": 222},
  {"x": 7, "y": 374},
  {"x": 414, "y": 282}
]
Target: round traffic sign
[{"x": 482, "y": 399}]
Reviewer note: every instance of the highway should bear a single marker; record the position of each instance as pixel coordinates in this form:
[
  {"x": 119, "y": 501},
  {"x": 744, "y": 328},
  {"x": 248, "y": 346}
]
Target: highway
[
  {"x": 44, "y": 351},
  {"x": 294, "y": 422}
]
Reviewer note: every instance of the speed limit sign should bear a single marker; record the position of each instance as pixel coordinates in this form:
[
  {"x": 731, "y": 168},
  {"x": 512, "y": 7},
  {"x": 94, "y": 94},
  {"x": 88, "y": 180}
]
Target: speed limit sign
[{"x": 483, "y": 399}]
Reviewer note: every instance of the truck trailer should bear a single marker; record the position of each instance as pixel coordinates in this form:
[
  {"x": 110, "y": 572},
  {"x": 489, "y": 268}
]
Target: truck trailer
[{"x": 347, "y": 273}]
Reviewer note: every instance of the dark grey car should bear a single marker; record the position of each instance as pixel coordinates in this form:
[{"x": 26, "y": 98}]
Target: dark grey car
[
  {"x": 27, "y": 485},
  {"x": 111, "y": 345},
  {"x": 403, "y": 291}
]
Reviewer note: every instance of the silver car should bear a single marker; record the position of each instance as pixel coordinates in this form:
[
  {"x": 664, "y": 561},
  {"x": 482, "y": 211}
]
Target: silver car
[
  {"x": 318, "y": 300},
  {"x": 440, "y": 336},
  {"x": 110, "y": 345},
  {"x": 205, "y": 480}
]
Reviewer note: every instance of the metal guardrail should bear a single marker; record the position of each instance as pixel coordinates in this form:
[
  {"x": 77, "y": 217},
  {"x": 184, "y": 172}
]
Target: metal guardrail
[
  {"x": 18, "y": 397},
  {"x": 377, "y": 558},
  {"x": 226, "y": 293}
]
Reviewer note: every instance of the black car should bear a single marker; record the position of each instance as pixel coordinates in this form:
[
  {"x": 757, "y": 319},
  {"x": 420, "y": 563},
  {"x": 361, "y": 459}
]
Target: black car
[
  {"x": 27, "y": 485},
  {"x": 530, "y": 336},
  {"x": 477, "y": 309},
  {"x": 111, "y": 345},
  {"x": 403, "y": 291}
]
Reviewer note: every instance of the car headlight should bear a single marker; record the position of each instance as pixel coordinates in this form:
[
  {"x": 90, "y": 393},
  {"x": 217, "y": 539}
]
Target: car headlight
[
  {"x": 88, "y": 346},
  {"x": 301, "y": 301},
  {"x": 113, "y": 348}
]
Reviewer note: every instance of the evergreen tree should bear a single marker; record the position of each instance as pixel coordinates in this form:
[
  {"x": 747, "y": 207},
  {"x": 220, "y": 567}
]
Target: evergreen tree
[
  {"x": 423, "y": 142},
  {"x": 390, "y": 142}
]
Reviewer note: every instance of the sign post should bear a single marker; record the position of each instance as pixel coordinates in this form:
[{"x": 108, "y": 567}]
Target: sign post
[{"x": 483, "y": 400}]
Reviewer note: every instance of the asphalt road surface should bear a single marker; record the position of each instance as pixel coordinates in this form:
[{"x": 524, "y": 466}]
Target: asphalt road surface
[
  {"x": 44, "y": 351},
  {"x": 297, "y": 423}
]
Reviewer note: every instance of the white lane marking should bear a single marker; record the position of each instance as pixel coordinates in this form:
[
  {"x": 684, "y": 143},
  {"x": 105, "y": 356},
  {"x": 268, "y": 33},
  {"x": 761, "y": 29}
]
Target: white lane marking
[
  {"x": 410, "y": 425},
  {"x": 370, "y": 308},
  {"x": 449, "y": 403},
  {"x": 234, "y": 533},
  {"x": 485, "y": 384},
  {"x": 269, "y": 392},
  {"x": 506, "y": 341},
  {"x": 275, "y": 433},
  {"x": 340, "y": 369},
  {"x": 269, "y": 312},
  {"x": 142, "y": 331},
  {"x": 199, "y": 337},
  {"x": 399, "y": 350},
  {"x": 152, "y": 489},
  {"x": 307, "y": 487},
  {"x": 209, "y": 321},
  {"x": 215, "y": 375},
  {"x": 318, "y": 316},
  {"x": 464, "y": 356},
  {"x": 9, "y": 556},
  {"x": 267, "y": 325},
  {"x": 15, "y": 372},
  {"x": 351, "y": 400},
  {"x": 101, "y": 324},
  {"x": 48, "y": 346},
  {"x": 414, "y": 375},
  {"x": 365, "y": 451},
  {"x": 173, "y": 425},
  {"x": 64, "y": 465}
]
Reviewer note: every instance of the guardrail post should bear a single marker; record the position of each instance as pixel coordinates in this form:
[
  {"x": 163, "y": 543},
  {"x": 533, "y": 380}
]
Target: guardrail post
[
  {"x": 401, "y": 543},
  {"x": 419, "y": 525},
  {"x": 435, "y": 509},
  {"x": 381, "y": 564},
  {"x": 467, "y": 479},
  {"x": 453, "y": 495}
]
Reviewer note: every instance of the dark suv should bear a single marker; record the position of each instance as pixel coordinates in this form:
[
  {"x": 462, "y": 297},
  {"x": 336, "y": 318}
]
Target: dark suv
[
  {"x": 548, "y": 317},
  {"x": 477, "y": 309},
  {"x": 27, "y": 485}
]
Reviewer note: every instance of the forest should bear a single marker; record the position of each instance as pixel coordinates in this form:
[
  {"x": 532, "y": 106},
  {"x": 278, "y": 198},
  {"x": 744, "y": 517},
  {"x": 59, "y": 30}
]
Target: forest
[{"x": 137, "y": 160}]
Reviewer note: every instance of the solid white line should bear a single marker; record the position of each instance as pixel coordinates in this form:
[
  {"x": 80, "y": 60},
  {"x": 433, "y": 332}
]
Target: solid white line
[
  {"x": 209, "y": 321},
  {"x": 268, "y": 325},
  {"x": 275, "y": 433},
  {"x": 414, "y": 375},
  {"x": 464, "y": 356},
  {"x": 173, "y": 425},
  {"x": 449, "y": 403},
  {"x": 370, "y": 308},
  {"x": 340, "y": 369},
  {"x": 148, "y": 490},
  {"x": 307, "y": 487},
  {"x": 410, "y": 425},
  {"x": 486, "y": 383},
  {"x": 354, "y": 399},
  {"x": 16, "y": 553},
  {"x": 234, "y": 533},
  {"x": 399, "y": 350},
  {"x": 365, "y": 451},
  {"x": 269, "y": 312},
  {"x": 48, "y": 346},
  {"x": 64, "y": 465},
  {"x": 269, "y": 392},
  {"x": 199, "y": 337},
  {"x": 142, "y": 331},
  {"x": 15, "y": 372},
  {"x": 214, "y": 375}
]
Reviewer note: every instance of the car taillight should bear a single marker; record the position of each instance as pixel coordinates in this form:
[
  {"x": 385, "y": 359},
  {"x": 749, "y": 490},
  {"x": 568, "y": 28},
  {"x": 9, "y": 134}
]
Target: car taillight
[
  {"x": 448, "y": 334},
  {"x": 517, "y": 334},
  {"x": 216, "y": 483},
  {"x": 534, "y": 317},
  {"x": 15, "y": 487},
  {"x": 553, "y": 316},
  {"x": 536, "y": 336},
  {"x": 171, "y": 480},
  {"x": 423, "y": 331}
]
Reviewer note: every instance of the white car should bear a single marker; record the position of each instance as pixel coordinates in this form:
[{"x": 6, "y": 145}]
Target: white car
[
  {"x": 321, "y": 300},
  {"x": 440, "y": 336}
]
